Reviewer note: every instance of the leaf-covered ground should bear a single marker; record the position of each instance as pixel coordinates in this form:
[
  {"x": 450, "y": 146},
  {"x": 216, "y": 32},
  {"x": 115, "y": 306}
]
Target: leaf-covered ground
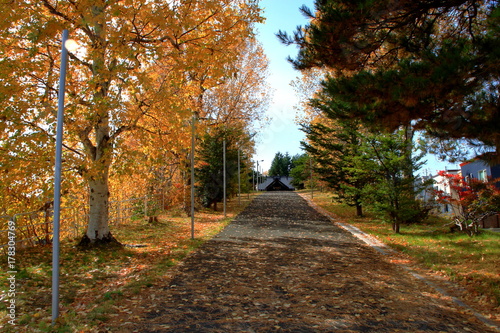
[
  {"x": 283, "y": 267},
  {"x": 94, "y": 282}
]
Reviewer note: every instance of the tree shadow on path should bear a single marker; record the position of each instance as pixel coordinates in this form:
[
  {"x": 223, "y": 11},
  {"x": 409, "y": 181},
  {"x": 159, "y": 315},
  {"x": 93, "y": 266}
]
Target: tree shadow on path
[{"x": 283, "y": 267}]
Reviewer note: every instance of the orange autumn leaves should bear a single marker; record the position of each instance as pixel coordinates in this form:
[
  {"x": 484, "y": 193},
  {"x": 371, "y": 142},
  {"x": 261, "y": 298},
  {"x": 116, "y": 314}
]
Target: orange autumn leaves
[{"x": 141, "y": 70}]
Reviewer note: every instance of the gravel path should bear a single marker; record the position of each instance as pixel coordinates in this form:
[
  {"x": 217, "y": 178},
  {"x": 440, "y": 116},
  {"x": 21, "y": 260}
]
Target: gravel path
[{"x": 283, "y": 267}]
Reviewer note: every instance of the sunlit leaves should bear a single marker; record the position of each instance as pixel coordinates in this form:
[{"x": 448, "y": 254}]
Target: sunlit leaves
[{"x": 131, "y": 83}]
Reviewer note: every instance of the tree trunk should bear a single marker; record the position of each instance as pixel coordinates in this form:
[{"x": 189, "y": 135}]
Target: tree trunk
[
  {"x": 100, "y": 153},
  {"x": 98, "y": 232},
  {"x": 395, "y": 227},
  {"x": 99, "y": 209},
  {"x": 359, "y": 210}
]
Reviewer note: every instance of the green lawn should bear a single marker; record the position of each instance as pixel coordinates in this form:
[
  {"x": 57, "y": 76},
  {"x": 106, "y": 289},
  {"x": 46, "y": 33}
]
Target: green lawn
[{"x": 472, "y": 262}]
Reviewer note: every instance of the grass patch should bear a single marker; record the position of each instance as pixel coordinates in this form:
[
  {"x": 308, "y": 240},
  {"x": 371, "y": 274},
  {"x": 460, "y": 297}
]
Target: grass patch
[
  {"x": 94, "y": 282},
  {"x": 472, "y": 262}
]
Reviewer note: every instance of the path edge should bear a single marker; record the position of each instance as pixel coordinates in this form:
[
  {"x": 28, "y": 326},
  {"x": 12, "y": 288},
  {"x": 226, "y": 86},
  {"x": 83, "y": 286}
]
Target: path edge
[{"x": 383, "y": 249}]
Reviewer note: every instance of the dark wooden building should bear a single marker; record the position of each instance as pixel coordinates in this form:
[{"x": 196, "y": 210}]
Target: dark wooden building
[{"x": 277, "y": 183}]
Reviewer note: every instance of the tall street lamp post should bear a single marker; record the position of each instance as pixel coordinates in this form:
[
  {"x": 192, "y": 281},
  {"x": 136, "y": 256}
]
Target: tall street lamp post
[{"x": 66, "y": 44}]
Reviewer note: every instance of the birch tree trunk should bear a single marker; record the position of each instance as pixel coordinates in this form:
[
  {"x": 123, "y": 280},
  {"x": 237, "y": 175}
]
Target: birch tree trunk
[
  {"x": 97, "y": 229},
  {"x": 101, "y": 153}
]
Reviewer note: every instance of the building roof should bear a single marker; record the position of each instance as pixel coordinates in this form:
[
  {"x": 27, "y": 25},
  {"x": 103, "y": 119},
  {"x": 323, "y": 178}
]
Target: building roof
[{"x": 284, "y": 183}]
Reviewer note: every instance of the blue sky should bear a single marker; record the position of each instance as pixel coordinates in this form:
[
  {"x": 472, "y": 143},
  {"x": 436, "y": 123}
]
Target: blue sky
[{"x": 283, "y": 135}]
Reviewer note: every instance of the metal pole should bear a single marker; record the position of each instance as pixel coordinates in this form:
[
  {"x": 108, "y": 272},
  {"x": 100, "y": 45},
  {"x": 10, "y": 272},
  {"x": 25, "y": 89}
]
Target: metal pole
[
  {"x": 119, "y": 212},
  {"x": 57, "y": 179},
  {"x": 192, "y": 174},
  {"x": 260, "y": 176},
  {"x": 239, "y": 179},
  {"x": 163, "y": 197},
  {"x": 224, "y": 174},
  {"x": 257, "y": 175},
  {"x": 253, "y": 178},
  {"x": 184, "y": 199},
  {"x": 312, "y": 189}
]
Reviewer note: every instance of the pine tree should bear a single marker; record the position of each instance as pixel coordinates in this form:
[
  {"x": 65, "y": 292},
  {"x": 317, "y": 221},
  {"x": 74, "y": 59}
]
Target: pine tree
[
  {"x": 335, "y": 146},
  {"x": 393, "y": 163},
  {"x": 375, "y": 170},
  {"x": 209, "y": 171},
  {"x": 300, "y": 170},
  {"x": 281, "y": 165},
  {"x": 430, "y": 63}
]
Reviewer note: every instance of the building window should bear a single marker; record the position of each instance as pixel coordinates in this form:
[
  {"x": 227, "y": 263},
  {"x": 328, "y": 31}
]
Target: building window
[{"x": 482, "y": 176}]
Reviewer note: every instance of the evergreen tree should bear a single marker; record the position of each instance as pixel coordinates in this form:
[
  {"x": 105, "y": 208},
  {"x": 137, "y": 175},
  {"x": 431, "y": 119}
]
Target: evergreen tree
[
  {"x": 375, "y": 170},
  {"x": 209, "y": 172},
  {"x": 335, "y": 146},
  {"x": 430, "y": 63},
  {"x": 281, "y": 165},
  {"x": 393, "y": 164},
  {"x": 300, "y": 170}
]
